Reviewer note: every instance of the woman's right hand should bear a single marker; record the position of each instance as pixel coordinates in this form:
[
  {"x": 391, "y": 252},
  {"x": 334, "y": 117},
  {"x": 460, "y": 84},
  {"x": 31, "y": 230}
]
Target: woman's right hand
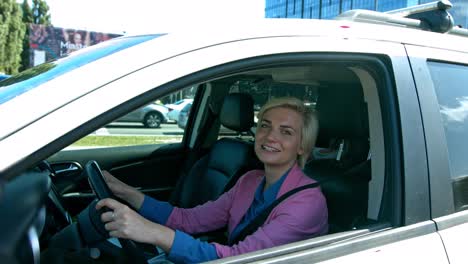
[{"x": 124, "y": 191}]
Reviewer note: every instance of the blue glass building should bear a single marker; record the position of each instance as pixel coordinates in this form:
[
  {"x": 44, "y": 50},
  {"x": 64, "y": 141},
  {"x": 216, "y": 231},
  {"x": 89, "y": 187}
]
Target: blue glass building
[{"x": 327, "y": 9}]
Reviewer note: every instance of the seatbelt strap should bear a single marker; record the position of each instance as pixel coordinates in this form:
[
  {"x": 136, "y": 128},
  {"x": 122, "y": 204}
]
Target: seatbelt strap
[{"x": 260, "y": 219}]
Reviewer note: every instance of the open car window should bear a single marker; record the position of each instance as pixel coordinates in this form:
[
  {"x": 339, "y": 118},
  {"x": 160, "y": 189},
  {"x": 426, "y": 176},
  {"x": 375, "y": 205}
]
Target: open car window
[
  {"x": 155, "y": 123},
  {"x": 349, "y": 157}
]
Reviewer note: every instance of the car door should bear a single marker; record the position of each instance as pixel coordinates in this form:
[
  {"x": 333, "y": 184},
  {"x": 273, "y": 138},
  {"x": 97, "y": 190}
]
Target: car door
[
  {"x": 441, "y": 78},
  {"x": 132, "y": 164},
  {"x": 403, "y": 200}
]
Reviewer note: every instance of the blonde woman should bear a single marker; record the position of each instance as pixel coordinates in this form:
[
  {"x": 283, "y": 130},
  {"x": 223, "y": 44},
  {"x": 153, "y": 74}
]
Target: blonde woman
[{"x": 285, "y": 136}]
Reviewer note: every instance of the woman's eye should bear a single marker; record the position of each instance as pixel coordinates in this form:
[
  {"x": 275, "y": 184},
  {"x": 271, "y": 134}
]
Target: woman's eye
[
  {"x": 263, "y": 125},
  {"x": 286, "y": 132}
]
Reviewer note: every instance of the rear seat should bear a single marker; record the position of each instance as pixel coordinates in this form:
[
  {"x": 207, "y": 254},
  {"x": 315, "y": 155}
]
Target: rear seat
[{"x": 342, "y": 163}]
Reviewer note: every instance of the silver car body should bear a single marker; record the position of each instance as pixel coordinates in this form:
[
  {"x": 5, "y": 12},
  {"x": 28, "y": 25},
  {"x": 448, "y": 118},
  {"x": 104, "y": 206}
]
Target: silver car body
[
  {"x": 176, "y": 108},
  {"x": 430, "y": 234},
  {"x": 183, "y": 116}
]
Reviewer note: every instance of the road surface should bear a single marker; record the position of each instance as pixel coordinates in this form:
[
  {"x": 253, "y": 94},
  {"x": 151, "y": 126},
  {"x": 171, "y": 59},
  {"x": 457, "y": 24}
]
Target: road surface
[{"x": 139, "y": 129}]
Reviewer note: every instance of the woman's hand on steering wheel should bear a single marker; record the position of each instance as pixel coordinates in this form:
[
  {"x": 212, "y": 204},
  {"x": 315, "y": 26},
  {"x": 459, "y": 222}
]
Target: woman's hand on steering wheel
[
  {"x": 123, "y": 222},
  {"x": 103, "y": 192},
  {"x": 124, "y": 191}
]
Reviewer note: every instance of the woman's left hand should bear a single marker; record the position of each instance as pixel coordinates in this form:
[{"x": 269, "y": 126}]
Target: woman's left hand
[{"x": 123, "y": 222}]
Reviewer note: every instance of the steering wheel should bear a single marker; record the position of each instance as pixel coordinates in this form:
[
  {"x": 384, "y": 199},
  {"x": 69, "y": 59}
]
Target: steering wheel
[
  {"x": 56, "y": 217},
  {"x": 99, "y": 185}
]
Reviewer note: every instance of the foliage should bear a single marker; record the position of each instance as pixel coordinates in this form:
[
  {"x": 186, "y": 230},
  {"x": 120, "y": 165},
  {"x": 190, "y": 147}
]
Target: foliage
[
  {"x": 27, "y": 18},
  {"x": 27, "y": 74},
  {"x": 40, "y": 13},
  {"x": 27, "y": 12},
  {"x": 12, "y": 31}
]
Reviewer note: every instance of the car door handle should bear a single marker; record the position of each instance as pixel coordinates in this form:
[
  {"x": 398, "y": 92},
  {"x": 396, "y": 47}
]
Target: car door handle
[{"x": 72, "y": 167}]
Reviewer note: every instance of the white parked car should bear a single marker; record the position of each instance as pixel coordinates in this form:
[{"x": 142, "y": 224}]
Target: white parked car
[
  {"x": 151, "y": 116},
  {"x": 175, "y": 108},
  {"x": 183, "y": 116},
  {"x": 392, "y": 104}
]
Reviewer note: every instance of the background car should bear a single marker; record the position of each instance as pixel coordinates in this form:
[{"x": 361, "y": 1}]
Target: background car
[
  {"x": 184, "y": 115},
  {"x": 174, "y": 109},
  {"x": 151, "y": 116}
]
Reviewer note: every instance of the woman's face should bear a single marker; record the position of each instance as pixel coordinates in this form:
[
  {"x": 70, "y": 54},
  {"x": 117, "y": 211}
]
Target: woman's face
[
  {"x": 278, "y": 137},
  {"x": 77, "y": 38}
]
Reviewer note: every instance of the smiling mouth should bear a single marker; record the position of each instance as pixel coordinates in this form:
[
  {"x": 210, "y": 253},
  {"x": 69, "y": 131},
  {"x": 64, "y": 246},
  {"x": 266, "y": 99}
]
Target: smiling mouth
[{"x": 269, "y": 149}]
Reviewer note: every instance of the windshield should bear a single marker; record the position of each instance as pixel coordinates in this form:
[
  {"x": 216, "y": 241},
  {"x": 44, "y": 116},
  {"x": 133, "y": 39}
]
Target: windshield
[{"x": 33, "y": 77}]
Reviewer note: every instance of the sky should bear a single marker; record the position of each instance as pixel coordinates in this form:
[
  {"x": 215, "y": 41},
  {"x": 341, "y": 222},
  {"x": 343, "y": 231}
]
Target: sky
[{"x": 155, "y": 16}]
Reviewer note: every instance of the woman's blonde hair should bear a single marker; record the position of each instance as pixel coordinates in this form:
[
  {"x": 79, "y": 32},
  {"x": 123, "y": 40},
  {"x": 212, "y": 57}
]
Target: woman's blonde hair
[{"x": 310, "y": 123}]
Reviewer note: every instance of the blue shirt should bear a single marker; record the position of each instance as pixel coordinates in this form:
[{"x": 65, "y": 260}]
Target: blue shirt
[
  {"x": 262, "y": 200},
  {"x": 187, "y": 249}
]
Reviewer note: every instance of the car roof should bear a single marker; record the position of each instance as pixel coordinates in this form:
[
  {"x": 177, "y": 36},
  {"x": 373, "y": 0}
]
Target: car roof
[
  {"x": 270, "y": 27},
  {"x": 174, "y": 44}
]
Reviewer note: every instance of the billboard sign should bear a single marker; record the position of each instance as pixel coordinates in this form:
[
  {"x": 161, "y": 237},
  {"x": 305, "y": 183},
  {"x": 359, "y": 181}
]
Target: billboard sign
[{"x": 47, "y": 42}]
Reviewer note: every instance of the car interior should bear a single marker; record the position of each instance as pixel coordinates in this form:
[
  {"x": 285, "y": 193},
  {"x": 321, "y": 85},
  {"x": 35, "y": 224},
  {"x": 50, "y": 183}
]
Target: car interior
[
  {"x": 211, "y": 175},
  {"x": 348, "y": 160}
]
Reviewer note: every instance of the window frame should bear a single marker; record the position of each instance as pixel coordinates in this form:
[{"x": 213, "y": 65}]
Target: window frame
[{"x": 377, "y": 66}]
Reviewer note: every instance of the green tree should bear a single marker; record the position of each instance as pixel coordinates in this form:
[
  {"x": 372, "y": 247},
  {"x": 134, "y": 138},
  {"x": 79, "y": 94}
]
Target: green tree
[
  {"x": 27, "y": 12},
  {"x": 37, "y": 14},
  {"x": 12, "y": 31},
  {"x": 27, "y": 19},
  {"x": 40, "y": 12}
]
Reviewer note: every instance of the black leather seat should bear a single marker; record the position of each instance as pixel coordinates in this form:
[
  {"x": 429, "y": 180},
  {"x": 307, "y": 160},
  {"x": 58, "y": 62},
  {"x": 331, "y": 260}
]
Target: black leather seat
[
  {"x": 344, "y": 128},
  {"x": 227, "y": 160}
]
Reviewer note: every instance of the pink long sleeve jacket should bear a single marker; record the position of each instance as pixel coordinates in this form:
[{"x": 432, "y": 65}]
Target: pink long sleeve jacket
[{"x": 301, "y": 216}]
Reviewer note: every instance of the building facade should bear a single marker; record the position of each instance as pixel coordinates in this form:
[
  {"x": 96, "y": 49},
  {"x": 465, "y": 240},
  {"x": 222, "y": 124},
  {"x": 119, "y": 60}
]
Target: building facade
[{"x": 328, "y": 9}]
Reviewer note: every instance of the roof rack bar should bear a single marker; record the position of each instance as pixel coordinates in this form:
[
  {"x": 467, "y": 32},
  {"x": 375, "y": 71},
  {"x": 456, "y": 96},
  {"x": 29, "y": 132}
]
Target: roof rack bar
[
  {"x": 459, "y": 31},
  {"x": 432, "y": 16},
  {"x": 369, "y": 16},
  {"x": 437, "y": 5}
]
